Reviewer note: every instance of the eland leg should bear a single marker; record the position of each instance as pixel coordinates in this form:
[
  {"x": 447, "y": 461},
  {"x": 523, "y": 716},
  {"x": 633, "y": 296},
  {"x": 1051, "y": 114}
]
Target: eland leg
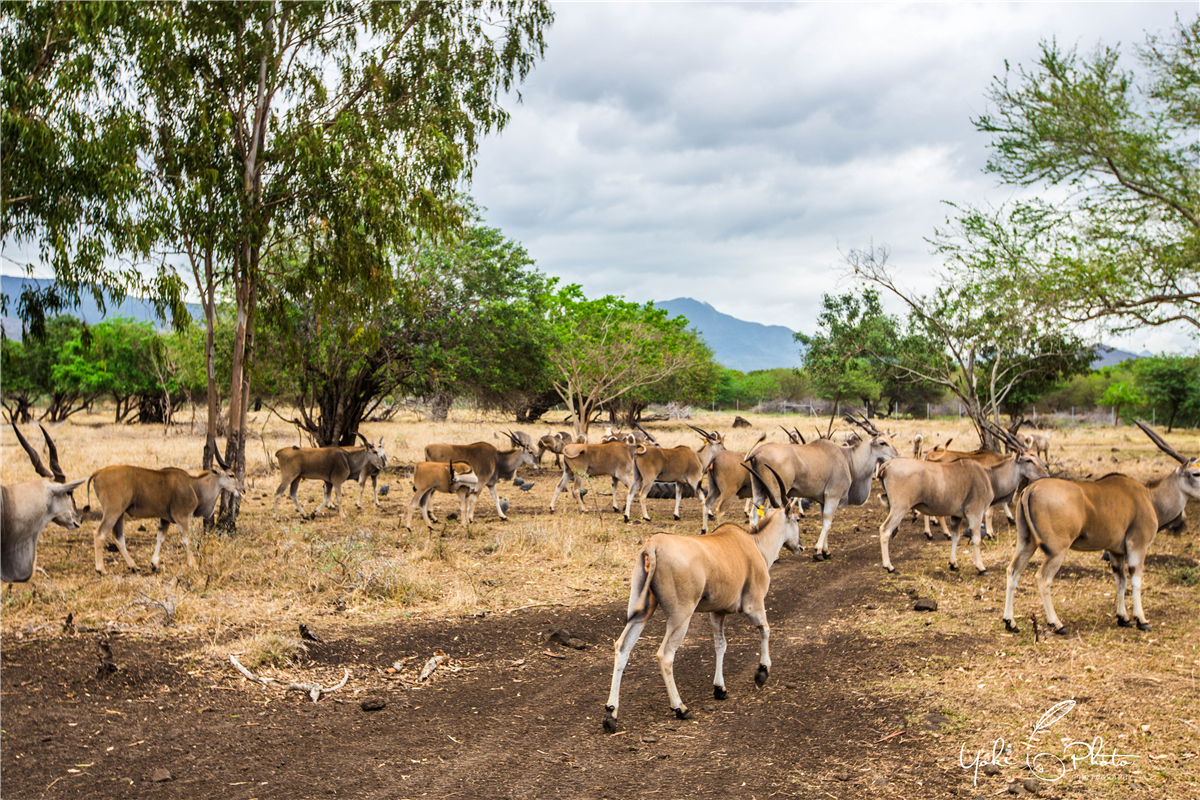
[
  {"x": 621, "y": 650},
  {"x": 886, "y": 531},
  {"x": 717, "y": 620},
  {"x": 1025, "y": 550},
  {"x": 677, "y": 626},
  {"x": 822, "y": 549},
  {"x": 1120, "y": 572},
  {"x": 1134, "y": 559},
  {"x": 758, "y": 615},
  {"x": 1045, "y": 577}
]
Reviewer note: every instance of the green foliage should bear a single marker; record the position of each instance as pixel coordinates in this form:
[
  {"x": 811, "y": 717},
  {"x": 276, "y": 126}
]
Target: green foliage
[
  {"x": 1083, "y": 392},
  {"x": 857, "y": 348},
  {"x": 1122, "y": 395},
  {"x": 603, "y": 350},
  {"x": 483, "y": 314},
  {"x": 1170, "y": 383},
  {"x": 71, "y": 180},
  {"x": 746, "y": 389},
  {"x": 1123, "y": 246},
  {"x": 116, "y": 357}
]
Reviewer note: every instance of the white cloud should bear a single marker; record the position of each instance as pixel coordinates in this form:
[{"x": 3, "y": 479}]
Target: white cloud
[{"x": 727, "y": 151}]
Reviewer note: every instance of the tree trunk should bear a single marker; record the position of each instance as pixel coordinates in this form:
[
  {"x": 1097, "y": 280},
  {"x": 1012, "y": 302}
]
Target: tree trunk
[{"x": 439, "y": 406}]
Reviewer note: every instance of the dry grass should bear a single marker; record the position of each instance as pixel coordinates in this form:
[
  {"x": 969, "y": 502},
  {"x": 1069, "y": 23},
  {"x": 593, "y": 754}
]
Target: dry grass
[{"x": 288, "y": 568}]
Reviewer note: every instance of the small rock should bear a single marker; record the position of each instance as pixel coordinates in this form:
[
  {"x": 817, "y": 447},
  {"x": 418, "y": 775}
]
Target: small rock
[
  {"x": 1016, "y": 788},
  {"x": 991, "y": 769},
  {"x": 842, "y": 776},
  {"x": 880, "y": 781},
  {"x": 925, "y": 604},
  {"x": 563, "y": 636},
  {"x": 1032, "y": 785},
  {"x": 649, "y": 738},
  {"x": 709, "y": 707},
  {"x": 372, "y": 704},
  {"x": 161, "y": 775}
]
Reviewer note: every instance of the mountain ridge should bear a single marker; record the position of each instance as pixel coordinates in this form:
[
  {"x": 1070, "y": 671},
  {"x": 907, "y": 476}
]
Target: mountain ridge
[{"x": 737, "y": 343}]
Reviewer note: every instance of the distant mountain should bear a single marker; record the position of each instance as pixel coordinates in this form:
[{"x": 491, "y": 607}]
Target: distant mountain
[
  {"x": 737, "y": 344},
  {"x": 1110, "y": 356},
  {"x": 132, "y": 307}
]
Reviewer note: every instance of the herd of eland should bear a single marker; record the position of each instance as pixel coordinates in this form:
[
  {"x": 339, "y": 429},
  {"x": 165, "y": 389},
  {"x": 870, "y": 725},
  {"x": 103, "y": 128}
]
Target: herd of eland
[{"x": 723, "y": 572}]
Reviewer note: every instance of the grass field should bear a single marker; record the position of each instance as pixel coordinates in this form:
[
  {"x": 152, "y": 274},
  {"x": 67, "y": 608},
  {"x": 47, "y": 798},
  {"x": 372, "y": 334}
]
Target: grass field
[{"x": 1137, "y": 692}]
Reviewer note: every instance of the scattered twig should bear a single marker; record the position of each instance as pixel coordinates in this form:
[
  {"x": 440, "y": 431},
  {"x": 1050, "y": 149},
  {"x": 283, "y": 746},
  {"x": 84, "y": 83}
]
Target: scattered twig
[
  {"x": 431, "y": 665},
  {"x": 313, "y": 690},
  {"x": 532, "y": 605},
  {"x": 890, "y": 736}
]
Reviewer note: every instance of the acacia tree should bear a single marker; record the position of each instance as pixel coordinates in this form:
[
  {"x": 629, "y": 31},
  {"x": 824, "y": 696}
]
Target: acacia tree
[
  {"x": 978, "y": 340},
  {"x": 1122, "y": 248},
  {"x": 604, "y": 349}
]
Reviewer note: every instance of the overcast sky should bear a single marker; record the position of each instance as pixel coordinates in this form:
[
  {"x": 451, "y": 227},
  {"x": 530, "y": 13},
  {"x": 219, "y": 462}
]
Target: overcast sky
[{"x": 728, "y": 152}]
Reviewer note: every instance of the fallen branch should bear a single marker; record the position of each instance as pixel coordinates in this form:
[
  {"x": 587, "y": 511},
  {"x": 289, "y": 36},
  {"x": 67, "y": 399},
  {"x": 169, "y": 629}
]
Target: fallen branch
[{"x": 313, "y": 690}]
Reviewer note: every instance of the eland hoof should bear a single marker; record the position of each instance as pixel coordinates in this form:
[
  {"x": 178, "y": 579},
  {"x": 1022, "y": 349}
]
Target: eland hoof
[
  {"x": 719, "y": 692},
  {"x": 1124, "y": 622},
  {"x": 890, "y": 570},
  {"x": 981, "y": 571},
  {"x": 760, "y": 675},
  {"x": 677, "y": 518},
  {"x": 954, "y": 567},
  {"x": 1061, "y": 630},
  {"x": 818, "y": 556},
  {"x": 1011, "y": 627},
  {"x": 1143, "y": 626},
  {"x": 610, "y": 724},
  {"x": 682, "y": 713},
  {"x": 154, "y": 568}
]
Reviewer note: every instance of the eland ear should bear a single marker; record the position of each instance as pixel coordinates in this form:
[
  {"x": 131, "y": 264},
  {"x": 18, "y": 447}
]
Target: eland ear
[{"x": 70, "y": 486}]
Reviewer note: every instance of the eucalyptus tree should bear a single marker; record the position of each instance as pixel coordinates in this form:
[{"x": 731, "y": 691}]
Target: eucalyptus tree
[
  {"x": 361, "y": 119},
  {"x": 72, "y": 188}
]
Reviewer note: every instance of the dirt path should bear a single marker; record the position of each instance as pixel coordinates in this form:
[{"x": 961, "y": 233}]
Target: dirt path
[{"x": 521, "y": 719}]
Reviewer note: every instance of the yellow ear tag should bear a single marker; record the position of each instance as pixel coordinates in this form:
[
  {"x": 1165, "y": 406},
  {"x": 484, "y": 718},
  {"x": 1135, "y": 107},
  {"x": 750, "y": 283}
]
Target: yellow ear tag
[{"x": 761, "y": 511}]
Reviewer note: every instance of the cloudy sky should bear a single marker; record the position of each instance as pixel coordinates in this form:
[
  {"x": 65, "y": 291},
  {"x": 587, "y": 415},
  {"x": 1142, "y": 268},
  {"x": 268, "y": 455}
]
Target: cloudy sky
[{"x": 730, "y": 152}]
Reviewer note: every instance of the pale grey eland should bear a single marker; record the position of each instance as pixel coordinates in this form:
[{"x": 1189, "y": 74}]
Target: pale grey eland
[
  {"x": 725, "y": 572},
  {"x": 833, "y": 475},
  {"x": 27, "y": 507}
]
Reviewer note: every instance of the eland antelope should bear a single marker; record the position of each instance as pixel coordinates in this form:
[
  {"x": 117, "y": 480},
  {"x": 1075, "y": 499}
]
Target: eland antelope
[
  {"x": 725, "y": 572},
  {"x": 679, "y": 465},
  {"x": 170, "y": 495},
  {"x": 1116, "y": 514},
  {"x": 331, "y": 465},
  {"x": 28, "y": 506},
  {"x": 489, "y": 464},
  {"x": 833, "y": 475}
]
